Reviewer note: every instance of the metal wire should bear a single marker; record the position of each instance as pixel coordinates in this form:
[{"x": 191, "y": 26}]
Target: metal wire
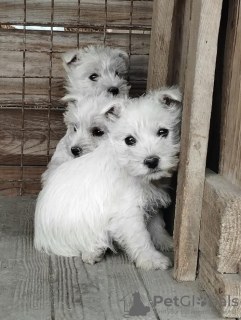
[
  {"x": 23, "y": 100},
  {"x": 50, "y": 78},
  {"x": 51, "y": 103}
]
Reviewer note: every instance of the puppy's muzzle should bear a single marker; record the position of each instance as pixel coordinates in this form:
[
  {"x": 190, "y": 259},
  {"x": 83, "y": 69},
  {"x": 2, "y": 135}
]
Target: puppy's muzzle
[
  {"x": 151, "y": 162},
  {"x": 76, "y": 151},
  {"x": 113, "y": 90}
]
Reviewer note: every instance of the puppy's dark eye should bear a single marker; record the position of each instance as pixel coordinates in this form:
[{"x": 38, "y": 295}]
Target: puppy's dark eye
[
  {"x": 117, "y": 73},
  {"x": 163, "y": 132},
  {"x": 75, "y": 128},
  {"x": 93, "y": 77},
  {"x": 97, "y": 132},
  {"x": 130, "y": 141}
]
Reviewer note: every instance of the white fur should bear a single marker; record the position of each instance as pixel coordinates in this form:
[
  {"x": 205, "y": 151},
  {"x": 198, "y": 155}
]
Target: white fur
[
  {"x": 159, "y": 236},
  {"x": 109, "y": 64},
  {"x": 79, "y": 65},
  {"x": 81, "y": 117},
  {"x": 107, "y": 194}
]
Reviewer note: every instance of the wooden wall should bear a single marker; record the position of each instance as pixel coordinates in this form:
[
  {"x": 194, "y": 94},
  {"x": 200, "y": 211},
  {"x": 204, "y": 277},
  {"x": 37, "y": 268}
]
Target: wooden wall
[
  {"x": 31, "y": 77},
  {"x": 188, "y": 48},
  {"x": 220, "y": 235},
  {"x": 197, "y": 44}
]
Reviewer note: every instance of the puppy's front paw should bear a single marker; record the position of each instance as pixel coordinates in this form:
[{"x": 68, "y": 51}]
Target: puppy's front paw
[
  {"x": 92, "y": 257},
  {"x": 166, "y": 244},
  {"x": 154, "y": 260}
]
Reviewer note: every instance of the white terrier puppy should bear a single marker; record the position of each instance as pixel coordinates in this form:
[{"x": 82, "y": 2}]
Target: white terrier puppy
[
  {"x": 85, "y": 131},
  {"x": 108, "y": 194},
  {"x": 96, "y": 69}
]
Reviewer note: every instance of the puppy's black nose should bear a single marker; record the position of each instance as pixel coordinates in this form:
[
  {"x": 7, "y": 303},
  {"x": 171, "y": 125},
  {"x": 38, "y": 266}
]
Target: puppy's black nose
[
  {"x": 151, "y": 162},
  {"x": 76, "y": 151},
  {"x": 113, "y": 90}
]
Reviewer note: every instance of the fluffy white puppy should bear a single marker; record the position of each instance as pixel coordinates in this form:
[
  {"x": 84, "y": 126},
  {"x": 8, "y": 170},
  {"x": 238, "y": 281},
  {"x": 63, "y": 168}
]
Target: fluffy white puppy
[
  {"x": 108, "y": 194},
  {"x": 96, "y": 69},
  {"x": 85, "y": 130}
]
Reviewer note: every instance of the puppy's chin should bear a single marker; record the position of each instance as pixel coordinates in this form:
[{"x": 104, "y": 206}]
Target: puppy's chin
[
  {"x": 158, "y": 174},
  {"x": 143, "y": 173}
]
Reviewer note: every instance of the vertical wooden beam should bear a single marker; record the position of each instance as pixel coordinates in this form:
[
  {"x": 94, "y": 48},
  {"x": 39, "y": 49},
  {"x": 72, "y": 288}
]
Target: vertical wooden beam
[
  {"x": 198, "y": 89},
  {"x": 160, "y": 45},
  {"x": 180, "y": 42},
  {"x": 230, "y": 157}
]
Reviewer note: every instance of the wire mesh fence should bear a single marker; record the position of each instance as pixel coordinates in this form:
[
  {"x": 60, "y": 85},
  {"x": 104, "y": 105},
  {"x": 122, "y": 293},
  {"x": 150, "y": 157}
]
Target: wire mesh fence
[{"x": 33, "y": 35}]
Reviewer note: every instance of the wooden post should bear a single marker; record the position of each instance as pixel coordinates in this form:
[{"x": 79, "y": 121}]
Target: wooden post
[
  {"x": 198, "y": 90},
  {"x": 160, "y": 43},
  {"x": 220, "y": 235},
  {"x": 230, "y": 156}
]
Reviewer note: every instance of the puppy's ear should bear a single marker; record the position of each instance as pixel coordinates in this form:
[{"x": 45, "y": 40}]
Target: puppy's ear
[
  {"x": 113, "y": 112},
  {"x": 67, "y": 118},
  {"x": 70, "y": 59},
  {"x": 170, "y": 96},
  {"x": 69, "y": 98},
  {"x": 124, "y": 56},
  {"x": 71, "y": 113}
]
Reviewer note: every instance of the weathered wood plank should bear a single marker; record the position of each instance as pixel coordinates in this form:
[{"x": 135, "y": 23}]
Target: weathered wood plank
[
  {"x": 67, "y": 289},
  {"x": 224, "y": 289},
  {"x": 230, "y": 155},
  {"x": 15, "y": 173},
  {"x": 138, "y": 88},
  {"x": 30, "y": 188},
  {"x": 15, "y": 180},
  {"x": 24, "y": 280},
  {"x": 125, "y": 12},
  {"x": 35, "y": 139},
  {"x": 183, "y": 301},
  {"x": 202, "y": 50},
  {"x": 95, "y": 292},
  {"x": 138, "y": 67},
  {"x": 180, "y": 43},
  {"x": 160, "y": 43},
  {"x": 40, "y": 41},
  {"x": 10, "y": 188},
  {"x": 34, "y": 286},
  {"x": 118, "y": 281},
  {"x": 37, "y": 64},
  {"x": 16, "y": 188},
  {"x": 92, "y": 12},
  {"x": 37, "y": 90},
  {"x": 220, "y": 233}
]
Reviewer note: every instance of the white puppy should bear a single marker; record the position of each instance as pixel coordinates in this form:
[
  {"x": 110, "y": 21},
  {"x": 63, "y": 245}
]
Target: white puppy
[
  {"x": 96, "y": 69},
  {"x": 108, "y": 194},
  {"x": 85, "y": 130}
]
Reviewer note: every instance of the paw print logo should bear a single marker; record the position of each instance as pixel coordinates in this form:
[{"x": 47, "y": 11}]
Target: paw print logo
[{"x": 201, "y": 301}]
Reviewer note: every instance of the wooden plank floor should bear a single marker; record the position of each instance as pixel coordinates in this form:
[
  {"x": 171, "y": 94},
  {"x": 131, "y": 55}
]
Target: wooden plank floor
[{"x": 34, "y": 285}]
